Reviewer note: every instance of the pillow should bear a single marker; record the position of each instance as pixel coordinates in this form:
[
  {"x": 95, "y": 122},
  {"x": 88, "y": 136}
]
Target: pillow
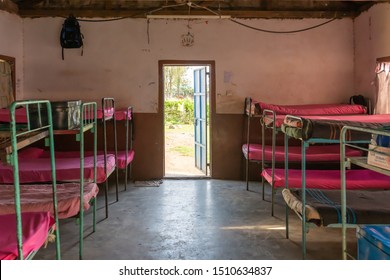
[{"x": 30, "y": 152}]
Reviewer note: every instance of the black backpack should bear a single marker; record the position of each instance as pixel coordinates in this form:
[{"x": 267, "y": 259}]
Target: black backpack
[{"x": 71, "y": 36}]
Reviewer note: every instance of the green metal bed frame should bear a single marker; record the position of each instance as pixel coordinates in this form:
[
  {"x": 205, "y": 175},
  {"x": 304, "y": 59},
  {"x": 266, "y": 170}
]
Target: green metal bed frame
[
  {"x": 249, "y": 116},
  {"x": 346, "y": 163},
  {"x": 108, "y": 103},
  {"x": 42, "y": 131},
  {"x": 88, "y": 122},
  {"x": 305, "y": 144}
]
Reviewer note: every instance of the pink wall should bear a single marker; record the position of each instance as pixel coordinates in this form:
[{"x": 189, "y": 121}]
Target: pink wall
[
  {"x": 315, "y": 66},
  {"x": 372, "y": 40},
  {"x": 11, "y": 44}
]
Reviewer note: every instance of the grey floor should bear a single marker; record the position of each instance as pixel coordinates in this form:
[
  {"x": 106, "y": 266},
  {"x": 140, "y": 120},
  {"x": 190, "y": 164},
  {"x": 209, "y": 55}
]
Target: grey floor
[{"x": 196, "y": 220}]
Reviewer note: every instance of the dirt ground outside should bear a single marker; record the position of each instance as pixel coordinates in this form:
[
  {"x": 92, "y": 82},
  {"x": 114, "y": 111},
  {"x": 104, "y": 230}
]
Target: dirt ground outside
[{"x": 180, "y": 151}]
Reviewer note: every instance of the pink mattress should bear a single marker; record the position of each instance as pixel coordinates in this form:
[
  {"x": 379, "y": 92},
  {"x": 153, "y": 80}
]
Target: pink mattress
[
  {"x": 75, "y": 154},
  {"x": 67, "y": 169},
  {"x": 120, "y": 114},
  {"x": 329, "y": 179},
  {"x": 314, "y": 109},
  {"x": 39, "y": 198},
  {"x": 20, "y": 115},
  {"x": 35, "y": 228},
  {"x": 314, "y": 153}
]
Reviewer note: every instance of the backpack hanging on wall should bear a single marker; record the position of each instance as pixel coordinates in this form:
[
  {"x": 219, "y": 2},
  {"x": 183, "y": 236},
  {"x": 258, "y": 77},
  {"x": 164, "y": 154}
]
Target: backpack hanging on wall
[{"x": 71, "y": 36}]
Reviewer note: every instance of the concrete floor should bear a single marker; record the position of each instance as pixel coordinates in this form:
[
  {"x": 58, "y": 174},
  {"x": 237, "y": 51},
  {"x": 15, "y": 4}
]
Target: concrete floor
[{"x": 196, "y": 220}]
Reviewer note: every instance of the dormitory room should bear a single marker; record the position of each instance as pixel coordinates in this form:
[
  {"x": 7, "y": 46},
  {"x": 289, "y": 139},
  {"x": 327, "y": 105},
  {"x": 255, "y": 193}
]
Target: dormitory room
[{"x": 194, "y": 130}]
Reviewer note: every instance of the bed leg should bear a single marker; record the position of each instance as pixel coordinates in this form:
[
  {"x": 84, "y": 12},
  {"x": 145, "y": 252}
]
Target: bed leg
[
  {"x": 126, "y": 178},
  {"x": 287, "y": 224},
  {"x": 106, "y": 198},
  {"x": 272, "y": 199},
  {"x": 247, "y": 171},
  {"x": 94, "y": 215},
  {"x": 263, "y": 186}
]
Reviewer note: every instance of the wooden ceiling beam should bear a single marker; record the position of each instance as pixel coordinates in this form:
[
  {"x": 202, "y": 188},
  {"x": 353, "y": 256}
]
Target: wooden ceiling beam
[
  {"x": 9, "y": 6},
  {"x": 101, "y": 13}
]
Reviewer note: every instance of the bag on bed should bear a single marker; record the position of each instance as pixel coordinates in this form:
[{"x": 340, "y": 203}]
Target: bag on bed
[
  {"x": 71, "y": 36},
  {"x": 360, "y": 100}
]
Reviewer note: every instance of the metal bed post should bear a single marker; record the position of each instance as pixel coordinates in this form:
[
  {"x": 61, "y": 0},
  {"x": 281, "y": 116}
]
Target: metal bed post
[
  {"x": 273, "y": 190},
  {"x": 304, "y": 225},
  {"x": 81, "y": 214},
  {"x": 116, "y": 155},
  {"x": 343, "y": 165},
  {"x": 54, "y": 179},
  {"x": 86, "y": 122},
  {"x": 94, "y": 131},
  {"x": 273, "y": 158},
  {"x": 128, "y": 114},
  {"x": 262, "y": 154},
  {"x": 105, "y": 154},
  {"x": 248, "y": 100},
  {"x": 286, "y": 176}
]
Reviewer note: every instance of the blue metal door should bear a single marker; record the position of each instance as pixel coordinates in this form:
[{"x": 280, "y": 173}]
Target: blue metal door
[{"x": 200, "y": 118}]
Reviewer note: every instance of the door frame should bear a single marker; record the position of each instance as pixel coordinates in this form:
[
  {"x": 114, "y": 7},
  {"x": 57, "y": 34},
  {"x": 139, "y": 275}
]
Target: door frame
[{"x": 212, "y": 95}]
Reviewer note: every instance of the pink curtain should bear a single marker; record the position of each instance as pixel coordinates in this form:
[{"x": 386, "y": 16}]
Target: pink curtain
[{"x": 382, "y": 105}]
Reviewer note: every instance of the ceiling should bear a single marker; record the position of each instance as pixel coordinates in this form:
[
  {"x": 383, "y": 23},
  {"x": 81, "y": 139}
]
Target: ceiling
[{"x": 234, "y": 8}]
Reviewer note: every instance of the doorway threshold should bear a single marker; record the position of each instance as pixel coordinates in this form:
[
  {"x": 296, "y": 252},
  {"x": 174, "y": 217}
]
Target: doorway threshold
[{"x": 181, "y": 177}]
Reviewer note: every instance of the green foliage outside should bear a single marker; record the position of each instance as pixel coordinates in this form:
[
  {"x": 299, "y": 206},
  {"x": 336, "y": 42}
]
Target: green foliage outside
[{"x": 179, "y": 111}]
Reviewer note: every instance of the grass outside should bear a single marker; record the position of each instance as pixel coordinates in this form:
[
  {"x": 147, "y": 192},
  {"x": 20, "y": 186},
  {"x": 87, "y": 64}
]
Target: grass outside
[{"x": 181, "y": 137}]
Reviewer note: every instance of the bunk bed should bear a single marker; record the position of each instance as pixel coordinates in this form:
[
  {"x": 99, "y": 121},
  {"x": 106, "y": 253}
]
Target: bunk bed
[
  {"x": 327, "y": 129},
  {"x": 75, "y": 197},
  {"x": 27, "y": 232},
  {"x": 272, "y": 117},
  {"x": 87, "y": 123},
  {"x": 124, "y": 157}
]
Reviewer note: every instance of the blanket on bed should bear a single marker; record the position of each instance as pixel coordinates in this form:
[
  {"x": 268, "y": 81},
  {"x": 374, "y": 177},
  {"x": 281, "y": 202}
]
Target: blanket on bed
[{"x": 363, "y": 206}]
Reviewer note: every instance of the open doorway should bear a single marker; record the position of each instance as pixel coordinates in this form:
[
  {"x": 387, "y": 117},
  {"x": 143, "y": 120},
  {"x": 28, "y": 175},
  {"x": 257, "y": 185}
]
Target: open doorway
[{"x": 186, "y": 91}]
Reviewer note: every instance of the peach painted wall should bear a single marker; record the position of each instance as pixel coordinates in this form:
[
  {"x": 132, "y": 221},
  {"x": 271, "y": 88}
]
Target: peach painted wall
[
  {"x": 372, "y": 40},
  {"x": 11, "y": 44},
  {"x": 121, "y": 60}
]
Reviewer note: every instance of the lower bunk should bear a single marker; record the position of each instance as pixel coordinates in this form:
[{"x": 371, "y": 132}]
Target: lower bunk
[
  {"x": 36, "y": 229},
  {"x": 323, "y": 208},
  {"x": 38, "y": 167},
  {"x": 36, "y": 203}
]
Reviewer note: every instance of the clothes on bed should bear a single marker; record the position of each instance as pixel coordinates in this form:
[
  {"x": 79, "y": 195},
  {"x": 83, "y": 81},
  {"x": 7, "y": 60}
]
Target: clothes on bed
[
  {"x": 323, "y": 207},
  {"x": 329, "y": 127},
  {"x": 35, "y": 198}
]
